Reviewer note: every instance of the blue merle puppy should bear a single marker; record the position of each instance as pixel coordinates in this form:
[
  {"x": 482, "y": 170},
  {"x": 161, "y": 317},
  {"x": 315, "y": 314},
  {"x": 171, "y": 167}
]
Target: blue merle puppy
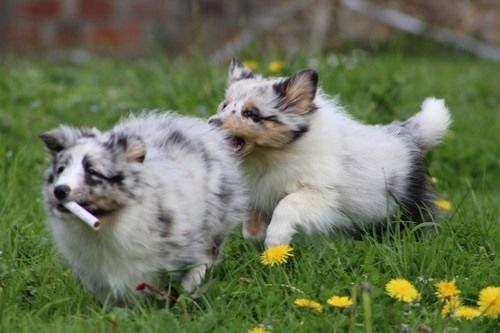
[{"x": 166, "y": 192}]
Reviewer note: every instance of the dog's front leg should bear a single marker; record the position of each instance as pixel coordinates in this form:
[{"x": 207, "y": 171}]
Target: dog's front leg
[
  {"x": 255, "y": 228},
  {"x": 309, "y": 210},
  {"x": 193, "y": 277}
]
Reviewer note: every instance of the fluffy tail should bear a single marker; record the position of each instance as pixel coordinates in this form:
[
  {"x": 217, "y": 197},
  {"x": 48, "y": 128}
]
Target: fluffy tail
[{"x": 429, "y": 126}]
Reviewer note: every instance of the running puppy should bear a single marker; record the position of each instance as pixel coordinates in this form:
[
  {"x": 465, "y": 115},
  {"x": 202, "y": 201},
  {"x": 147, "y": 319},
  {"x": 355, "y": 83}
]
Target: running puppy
[
  {"x": 310, "y": 167},
  {"x": 165, "y": 190}
]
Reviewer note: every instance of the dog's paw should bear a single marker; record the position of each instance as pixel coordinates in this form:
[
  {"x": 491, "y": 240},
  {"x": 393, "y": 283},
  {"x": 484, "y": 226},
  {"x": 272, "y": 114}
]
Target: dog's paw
[
  {"x": 277, "y": 239},
  {"x": 193, "y": 277}
]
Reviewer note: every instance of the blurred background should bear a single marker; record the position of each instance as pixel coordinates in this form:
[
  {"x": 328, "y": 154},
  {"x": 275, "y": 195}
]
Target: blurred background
[{"x": 221, "y": 28}]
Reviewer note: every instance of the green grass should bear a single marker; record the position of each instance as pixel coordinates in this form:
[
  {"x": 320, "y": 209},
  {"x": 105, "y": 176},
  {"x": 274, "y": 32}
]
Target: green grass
[{"x": 38, "y": 293}]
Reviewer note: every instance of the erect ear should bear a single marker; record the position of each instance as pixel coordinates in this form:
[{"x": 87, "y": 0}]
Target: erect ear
[
  {"x": 62, "y": 137},
  {"x": 297, "y": 92},
  {"x": 238, "y": 71},
  {"x": 133, "y": 148}
]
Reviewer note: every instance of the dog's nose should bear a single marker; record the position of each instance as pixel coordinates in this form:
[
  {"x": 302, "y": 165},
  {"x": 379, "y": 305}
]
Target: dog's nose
[
  {"x": 215, "y": 121},
  {"x": 61, "y": 191}
]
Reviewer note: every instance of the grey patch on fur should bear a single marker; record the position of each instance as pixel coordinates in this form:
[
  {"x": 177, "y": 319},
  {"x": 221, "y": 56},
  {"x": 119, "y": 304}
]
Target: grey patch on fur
[
  {"x": 172, "y": 245},
  {"x": 179, "y": 140},
  {"x": 417, "y": 202},
  {"x": 182, "y": 264},
  {"x": 49, "y": 178},
  {"x": 60, "y": 160},
  {"x": 206, "y": 157},
  {"x": 176, "y": 138},
  {"x": 215, "y": 249},
  {"x": 118, "y": 145},
  {"x": 298, "y": 133},
  {"x": 225, "y": 191},
  {"x": 165, "y": 220}
]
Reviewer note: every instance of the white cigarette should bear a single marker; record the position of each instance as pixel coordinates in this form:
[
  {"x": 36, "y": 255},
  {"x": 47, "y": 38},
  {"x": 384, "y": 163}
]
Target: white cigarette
[{"x": 82, "y": 214}]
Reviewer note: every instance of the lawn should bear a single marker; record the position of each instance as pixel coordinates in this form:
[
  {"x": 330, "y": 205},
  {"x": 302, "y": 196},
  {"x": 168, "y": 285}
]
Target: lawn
[{"x": 39, "y": 294}]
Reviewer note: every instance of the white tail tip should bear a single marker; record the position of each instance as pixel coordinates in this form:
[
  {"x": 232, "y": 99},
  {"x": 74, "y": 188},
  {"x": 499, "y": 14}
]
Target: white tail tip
[{"x": 430, "y": 125}]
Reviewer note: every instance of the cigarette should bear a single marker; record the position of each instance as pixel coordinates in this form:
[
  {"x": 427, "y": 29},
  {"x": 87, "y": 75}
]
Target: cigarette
[{"x": 82, "y": 214}]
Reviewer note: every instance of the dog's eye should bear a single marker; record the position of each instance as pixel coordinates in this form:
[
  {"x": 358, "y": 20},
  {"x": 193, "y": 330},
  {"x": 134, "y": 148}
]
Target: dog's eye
[
  {"x": 92, "y": 172},
  {"x": 223, "y": 106},
  {"x": 60, "y": 170},
  {"x": 251, "y": 113}
]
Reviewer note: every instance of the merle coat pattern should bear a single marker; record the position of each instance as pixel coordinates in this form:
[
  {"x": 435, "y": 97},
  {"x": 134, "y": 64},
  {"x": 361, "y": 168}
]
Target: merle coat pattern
[
  {"x": 166, "y": 192},
  {"x": 310, "y": 167}
]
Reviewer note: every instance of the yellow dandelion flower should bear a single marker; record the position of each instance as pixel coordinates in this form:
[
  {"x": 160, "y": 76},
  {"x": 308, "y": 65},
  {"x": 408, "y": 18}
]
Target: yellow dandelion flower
[
  {"x": 257, "y": 329},
  {"x": 402, "y": 290},
  {"x": 450, "y": 306},
  {"x": 489, "y": 301},
  {"x": 443, "y": 204},
  {"x": 308, "y": 304},
  {"x": 340, "y": 301},
  {"x": 446, "y": 289},
  {"x": 467, "y": 312},
  {"x": 276, "y": 66},
  {"x": 250, "y": 64},
  {"x": 276, "y": 255}
]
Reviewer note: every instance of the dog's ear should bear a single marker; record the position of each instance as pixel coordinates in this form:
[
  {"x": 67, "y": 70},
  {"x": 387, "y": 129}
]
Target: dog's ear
[
  {"x": 130, "y": 146},
  {"x": 238, "y": 71},
  {"x": 62, "y": 137},
  {"x": 297, "y": 92}
]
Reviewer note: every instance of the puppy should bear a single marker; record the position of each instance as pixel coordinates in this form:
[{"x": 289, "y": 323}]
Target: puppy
[
  {"x": 311, "y": 167},
  {"x": 166, "y": 192}
]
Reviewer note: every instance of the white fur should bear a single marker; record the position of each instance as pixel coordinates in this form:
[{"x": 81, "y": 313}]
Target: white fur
[{"x": 430, "y": 124}]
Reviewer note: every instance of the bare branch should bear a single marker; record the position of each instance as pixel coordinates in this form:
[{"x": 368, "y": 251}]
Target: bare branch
[{"x": 415, "y": 26}]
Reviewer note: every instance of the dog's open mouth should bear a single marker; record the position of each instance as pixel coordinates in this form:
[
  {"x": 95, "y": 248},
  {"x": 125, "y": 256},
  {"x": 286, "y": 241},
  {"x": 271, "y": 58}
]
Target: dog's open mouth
[{"x": 237, "y": 143}]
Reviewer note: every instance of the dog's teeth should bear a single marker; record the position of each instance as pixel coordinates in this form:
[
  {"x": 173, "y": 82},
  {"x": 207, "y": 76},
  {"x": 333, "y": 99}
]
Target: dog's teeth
[{"x": 238, "y": 143}]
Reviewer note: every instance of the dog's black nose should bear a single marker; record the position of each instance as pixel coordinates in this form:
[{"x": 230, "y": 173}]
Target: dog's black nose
[
  {"x": 61, "y": 191},
  {"x": 215, "y": 121}
]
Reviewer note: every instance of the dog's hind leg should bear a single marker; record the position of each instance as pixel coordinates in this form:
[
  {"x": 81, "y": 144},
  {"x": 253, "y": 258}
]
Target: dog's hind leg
[{"x": 308, "y": 209}]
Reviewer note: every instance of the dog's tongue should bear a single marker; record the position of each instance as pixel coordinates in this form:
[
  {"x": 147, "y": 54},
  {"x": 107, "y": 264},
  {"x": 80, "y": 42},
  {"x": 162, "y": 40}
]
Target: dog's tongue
[{"x": 237, "y": 143}]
